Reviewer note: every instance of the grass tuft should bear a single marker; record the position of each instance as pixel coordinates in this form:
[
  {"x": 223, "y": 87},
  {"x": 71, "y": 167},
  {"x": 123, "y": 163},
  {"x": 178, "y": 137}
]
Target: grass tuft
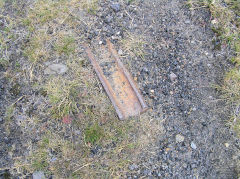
[
  {"x": 90, "y": 5},
  {"x": 134, "y": 45},
  {"x": 93, "y": 134},
  {"x": 63, "y": 96},
  {"x": 66, "y": 45}
]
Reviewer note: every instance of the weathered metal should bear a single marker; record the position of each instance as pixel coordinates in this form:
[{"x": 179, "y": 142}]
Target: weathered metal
[{"x": 117, "y": 82}]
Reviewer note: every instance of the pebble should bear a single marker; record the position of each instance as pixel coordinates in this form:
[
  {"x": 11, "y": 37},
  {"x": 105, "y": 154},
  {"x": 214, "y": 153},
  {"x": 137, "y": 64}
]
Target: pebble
[
  {"x": 147, "y": 172},
  {"x": 38, "y": 175},
  {"x": 53, "y": 159},
  {"x": 100, "y": 42},
  {"x": 56, "y": 69},
  {"x": 172, "y": 76},
  {"x": 115, "y": 7},
  {"x": 226, "y": 145},
  {"x": 214, "y": 21},
  {"x": 133, "y": 167},
  {"x": 179, "y": 138},
  {"x": 120, "y": 52},
  {"x": 78, "y": 132},
  {"x": 1, "y": 119},
  {"x": 194, "y": 109},
  {"x": 193, "y": 145}
]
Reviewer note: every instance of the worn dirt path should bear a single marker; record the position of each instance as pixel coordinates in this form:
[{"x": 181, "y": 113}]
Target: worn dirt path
[{"x": 181, "y": 43}]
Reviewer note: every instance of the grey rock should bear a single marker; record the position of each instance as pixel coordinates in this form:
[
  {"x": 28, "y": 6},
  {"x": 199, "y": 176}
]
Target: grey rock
[
  {"x": 147, "y": 172},
  {"x": 179, "y": 138},
  {"x": 108, "y": 19},
  {"x": 193, "y": 145},
  {"x": 20, "y": 119},
  {"x": 56, "y": 69},
  {"x": 120, "y": 52},
  {"x": 1, "y": 119},
  {"x": 78, "y": 132},
  {"x": 38, "y": 175},
  {"x": 53, "y": 159},
  {"x": 133, "y": 167},
  {"x": 115, "y": 7},
  {"x": 172, "y": 77}
]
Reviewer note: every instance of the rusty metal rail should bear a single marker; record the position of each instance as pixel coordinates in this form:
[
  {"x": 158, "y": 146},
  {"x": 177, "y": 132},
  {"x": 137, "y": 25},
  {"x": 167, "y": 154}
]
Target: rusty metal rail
[{"x": 118, "y": 83}]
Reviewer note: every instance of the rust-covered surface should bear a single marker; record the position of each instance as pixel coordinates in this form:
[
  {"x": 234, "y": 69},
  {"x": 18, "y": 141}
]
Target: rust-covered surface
[{"x": 117, "y": 82}]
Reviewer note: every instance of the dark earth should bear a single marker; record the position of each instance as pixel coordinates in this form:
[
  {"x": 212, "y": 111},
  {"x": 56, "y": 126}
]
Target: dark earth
[{"x": 177, "y": 76}]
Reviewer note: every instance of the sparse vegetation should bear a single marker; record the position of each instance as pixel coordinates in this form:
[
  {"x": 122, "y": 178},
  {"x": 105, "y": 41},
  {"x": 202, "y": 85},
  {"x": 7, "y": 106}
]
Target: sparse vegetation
[
  {"x": 63, "y": 96},
  {"x": 66, "y": 45},
  {"x": 2, "y": 2},
  {"x": 134, "y": 45},
  {"x": 90, "y": 5},
  {"x": 226, "y": 26},
  {"x": 102, "y": 146},
  {"x": 93, "y": 134},
  {"x": 106, "y": 152}
]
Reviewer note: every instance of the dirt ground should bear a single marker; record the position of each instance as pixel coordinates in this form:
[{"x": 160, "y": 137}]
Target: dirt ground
[{"x": 61, "y": 124}]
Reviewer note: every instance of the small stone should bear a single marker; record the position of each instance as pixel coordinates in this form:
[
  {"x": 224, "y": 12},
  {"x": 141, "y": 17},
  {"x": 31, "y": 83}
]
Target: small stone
[
  {"x": 226, "y": 145},
  {"x": 108, "y": 19},
  {"x": 214, "y": 21},
  {"x": 193, "y": 145},
  {"x": 167, "y": 149},
  {"x": 56, "y": 69},
  {"x": 152, "y": 91},
  {"x": 194, "y": 109},
  {"x": 147, "y": 172},
  {"x": 53, "y": 159},
  {"x": 120, "y": 52},
  {"x": 187, "y": 21},
  {"x": 155, "y": 55},
  {"x": 1, "y": 119},
  {"x": 173, "y": 77},
  {"x": 38, "y": 175},
  {"x": 133, "y": 167},
  {"x": 114, "y": 37},
  {"x": 179, "y": 138},
  {"x": 77, "y": 132},
  {"x": 145, "y": 70},
  {"x": 115, "y": 7},
  {"x": 100, "y": 42}
]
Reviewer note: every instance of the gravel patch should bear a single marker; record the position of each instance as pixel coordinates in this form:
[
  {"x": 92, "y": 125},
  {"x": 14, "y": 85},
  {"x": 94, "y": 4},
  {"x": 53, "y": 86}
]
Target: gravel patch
[{"x": 176, "y": 77}]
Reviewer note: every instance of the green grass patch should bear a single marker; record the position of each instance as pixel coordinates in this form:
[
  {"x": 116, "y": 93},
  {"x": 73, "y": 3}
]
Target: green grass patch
[
  {"x": 66, "y": 45},
  {"x": 63, "y": 96},
  {"x": 93, "y": 134}
]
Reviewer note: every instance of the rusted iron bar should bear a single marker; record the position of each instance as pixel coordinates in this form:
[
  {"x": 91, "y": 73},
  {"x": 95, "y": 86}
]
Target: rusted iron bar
[{"x": 119, "y": 85}]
